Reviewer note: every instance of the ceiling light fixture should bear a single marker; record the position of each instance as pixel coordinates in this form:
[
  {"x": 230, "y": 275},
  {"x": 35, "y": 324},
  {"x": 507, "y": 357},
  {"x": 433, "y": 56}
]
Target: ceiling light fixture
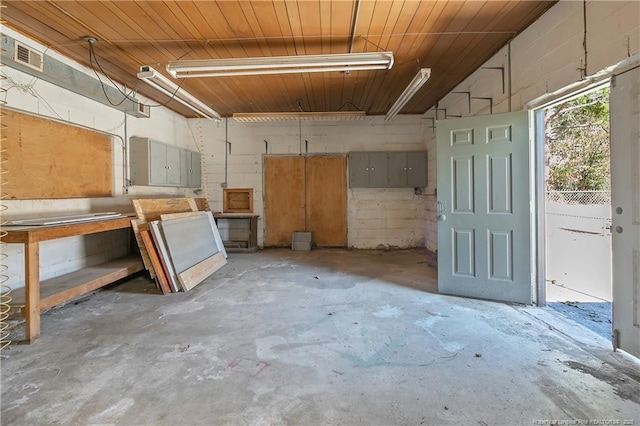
[
  {"x": 161, "y": 83},
  {"x": 298, "y": 116},
  {"x": 280, "y": 65},
  {"x": 418, "y": 81}
]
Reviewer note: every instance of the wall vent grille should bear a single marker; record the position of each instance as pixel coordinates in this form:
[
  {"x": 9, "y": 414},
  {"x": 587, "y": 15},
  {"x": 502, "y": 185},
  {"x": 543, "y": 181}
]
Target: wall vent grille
[
  {"x": 27, "y": 56},
  {"x": 144, "y": 110}
]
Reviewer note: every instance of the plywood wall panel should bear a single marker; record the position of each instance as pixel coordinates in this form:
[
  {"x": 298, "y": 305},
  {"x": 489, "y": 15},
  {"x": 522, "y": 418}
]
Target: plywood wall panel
[
  {"x": 49, "y": 160},
  {"x": 284, "y": 199},
  {"x": 326, "y": 200}
]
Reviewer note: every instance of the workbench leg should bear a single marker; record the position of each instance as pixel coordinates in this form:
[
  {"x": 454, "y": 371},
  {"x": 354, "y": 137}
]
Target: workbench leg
[
  {"x": 253, "y": 237},
  {"x": 32, "y": 290}
]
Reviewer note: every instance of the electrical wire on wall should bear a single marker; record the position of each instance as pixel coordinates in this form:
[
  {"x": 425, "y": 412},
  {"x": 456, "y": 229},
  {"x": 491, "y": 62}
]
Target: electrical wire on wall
[
  {"x": 5, "y": 289},
  {"x": 198, "y": 139},
  {"x": 227, "y": 151}
]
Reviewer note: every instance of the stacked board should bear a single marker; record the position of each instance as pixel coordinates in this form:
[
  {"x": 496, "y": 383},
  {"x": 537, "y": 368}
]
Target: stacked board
[{"x": 180, "y": 246}]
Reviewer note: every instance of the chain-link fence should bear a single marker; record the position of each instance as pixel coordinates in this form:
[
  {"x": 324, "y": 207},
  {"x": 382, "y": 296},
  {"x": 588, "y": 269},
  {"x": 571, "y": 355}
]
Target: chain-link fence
[{"x": 580, "y": 197}]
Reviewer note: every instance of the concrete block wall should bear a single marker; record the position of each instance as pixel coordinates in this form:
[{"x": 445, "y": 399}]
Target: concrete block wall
[
  {"x": 549, "y": 55},
  {"x": 26, "y": 93},
  {"x": 546, "y": 57},
  {"x": 375, "y": 217}
]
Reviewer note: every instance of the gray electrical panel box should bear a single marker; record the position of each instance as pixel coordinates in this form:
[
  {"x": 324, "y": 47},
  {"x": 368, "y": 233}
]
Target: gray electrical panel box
[
  {"x": 367, "y": 169},
  {"x": 190, "y": 169},
  {"x": 407, "y": 169},
  {"x": 392, "y": 169},
  {"x": 155, "y": 163}
]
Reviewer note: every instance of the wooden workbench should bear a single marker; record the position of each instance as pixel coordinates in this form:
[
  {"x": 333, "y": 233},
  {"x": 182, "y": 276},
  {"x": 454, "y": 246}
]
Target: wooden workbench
[{"x": 40, "y": 296}]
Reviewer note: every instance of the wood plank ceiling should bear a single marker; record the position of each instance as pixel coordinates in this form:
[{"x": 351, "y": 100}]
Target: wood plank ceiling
[{"x": 453, "y": 38}]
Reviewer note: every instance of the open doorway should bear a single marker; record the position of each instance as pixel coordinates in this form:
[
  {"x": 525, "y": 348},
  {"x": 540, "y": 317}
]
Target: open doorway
[{"x": 578, "y": 209}]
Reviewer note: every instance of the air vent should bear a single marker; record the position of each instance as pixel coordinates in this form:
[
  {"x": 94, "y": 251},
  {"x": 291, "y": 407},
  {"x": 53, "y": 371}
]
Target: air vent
[
  {"x": 28, "y": 56},
  {"x": 144, "y": 110}
]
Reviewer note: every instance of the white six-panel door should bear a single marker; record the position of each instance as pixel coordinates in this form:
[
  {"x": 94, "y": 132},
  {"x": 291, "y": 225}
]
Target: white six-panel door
[
  {"x": 484, "y": 219},
  {"x": 625, "y": 203}
]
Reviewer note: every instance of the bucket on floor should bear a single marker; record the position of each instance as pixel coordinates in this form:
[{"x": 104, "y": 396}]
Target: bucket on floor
[{"x": 301, "y": 241}]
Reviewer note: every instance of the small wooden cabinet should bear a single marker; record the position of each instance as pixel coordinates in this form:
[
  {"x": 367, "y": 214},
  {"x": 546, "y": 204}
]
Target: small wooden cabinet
[
  {"x": 237, "y": 200},
  {"x": 239, "y": 231},
  {"x": 155, "y": 163}
]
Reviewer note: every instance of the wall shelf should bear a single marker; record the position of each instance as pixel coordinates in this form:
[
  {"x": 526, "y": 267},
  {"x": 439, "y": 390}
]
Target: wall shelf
[{"x": 239, "y": 231}]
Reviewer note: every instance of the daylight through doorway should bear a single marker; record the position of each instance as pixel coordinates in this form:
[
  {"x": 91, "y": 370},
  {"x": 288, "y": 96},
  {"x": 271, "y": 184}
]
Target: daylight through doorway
[{"x": 578, "y": 209}]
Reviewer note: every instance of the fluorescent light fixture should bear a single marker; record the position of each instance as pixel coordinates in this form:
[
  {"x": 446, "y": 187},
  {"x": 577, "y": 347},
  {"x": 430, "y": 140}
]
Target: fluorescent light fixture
[
  {"x": 298, "y": 116},
  {"x": 346, "y": 62},
  {"x": 418, "y": 81},
  {"x": 161, "y": 83}
]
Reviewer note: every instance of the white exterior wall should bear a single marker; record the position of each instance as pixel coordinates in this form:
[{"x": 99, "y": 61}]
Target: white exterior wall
[
  {"x": 57, "y": 257},
  {"x": 375, "y": 217}
]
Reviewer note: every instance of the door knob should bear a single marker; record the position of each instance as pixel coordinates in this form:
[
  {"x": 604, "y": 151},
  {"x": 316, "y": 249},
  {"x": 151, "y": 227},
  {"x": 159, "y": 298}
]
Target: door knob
[{"x": 442, "y": 208}]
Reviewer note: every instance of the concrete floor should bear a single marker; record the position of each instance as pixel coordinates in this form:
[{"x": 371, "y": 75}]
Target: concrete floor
[
  {"x": 594, "y": 316},
  {"x": 323, "y": 337}
]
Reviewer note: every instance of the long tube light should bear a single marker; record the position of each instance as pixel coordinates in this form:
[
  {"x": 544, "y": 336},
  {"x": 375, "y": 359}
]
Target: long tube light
[
  {"x": 346, "y": 62},
  {"x": 161, "y": 83},
  {"x": 298, "y": 116},
  {"x": 418, "y": 81}
]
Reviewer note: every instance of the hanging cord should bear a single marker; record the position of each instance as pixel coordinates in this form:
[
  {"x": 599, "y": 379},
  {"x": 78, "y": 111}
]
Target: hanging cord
[
  {"x": 203, "y": 164},
  {"x": 5, "y": 289},
  {"x": 94, "y": 58}
]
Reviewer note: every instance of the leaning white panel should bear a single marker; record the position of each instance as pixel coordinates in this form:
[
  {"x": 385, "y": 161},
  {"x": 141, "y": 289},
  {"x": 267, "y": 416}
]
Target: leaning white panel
[
  {"x": 189, "y": 240},
  {"x": 158, "y": 238},
  {"x": 216, "y": 234}
]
